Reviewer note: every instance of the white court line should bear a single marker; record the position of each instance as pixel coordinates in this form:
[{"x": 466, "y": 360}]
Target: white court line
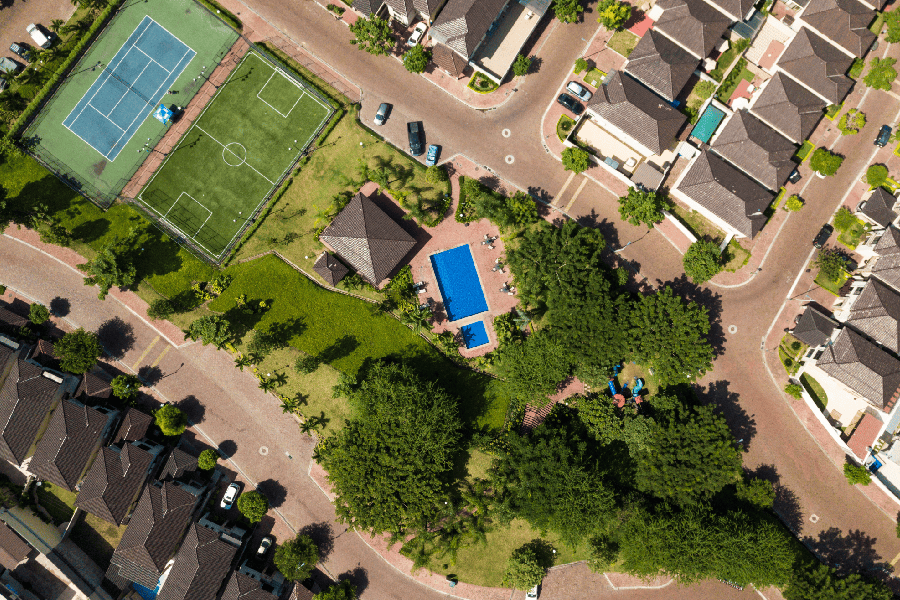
[
  {"x": 84, "y": 140},
  {"x": 226, "y": 147},
  {"x": 170, "y": 33},
  {"x": 153, "y": 60},
  {"x": 128, "y": 88},
  {"x": 302, "y": 93}
]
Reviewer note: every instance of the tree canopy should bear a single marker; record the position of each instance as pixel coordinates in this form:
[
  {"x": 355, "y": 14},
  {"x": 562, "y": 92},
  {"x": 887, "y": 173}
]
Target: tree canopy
[
  {"x": 642, "y": 206},
  {"x": 112, "y": 266},
  {"x": 881, "y": 73},
  {"x": 126, "y": 386},
  {"x": 521, "y": 65},
  {"x": 297, "y": 558},
  {"x": 253, "y": 505},
  {"x": 390, "y": 466},
  {"x": 702, "y": 261},
  {"x": 78, "y": 351},
  {"x": 876, "y": 175},
  {"x": 567, "y": 11},
  {"x": 211, "y": 329},
  {"x": 613, "y": 14},
  {"x": 575, "y": 160},
  {"x": 815, "y": 581},
  {"x": 416, "y": 59},
  {"x": 208, "y": 459},
  {"x": 528, "y": 564},
  {"x": 38, "y": 313},
  {"x": 170, "y": 420},
  {"x": 831, "y": 262},
  {"x": 507, "y": 213},
  {"x": 342, "y": 590},
  {"x": 533, "y": 367},
  {"x": 825, "y": 162},
  {"x": 373, "y": 35}
]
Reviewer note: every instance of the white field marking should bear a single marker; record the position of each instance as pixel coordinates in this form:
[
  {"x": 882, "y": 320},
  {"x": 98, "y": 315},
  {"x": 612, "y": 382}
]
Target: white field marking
[
  {"x": 245, "y": 161},
  {"x": 299, "y": 98}
]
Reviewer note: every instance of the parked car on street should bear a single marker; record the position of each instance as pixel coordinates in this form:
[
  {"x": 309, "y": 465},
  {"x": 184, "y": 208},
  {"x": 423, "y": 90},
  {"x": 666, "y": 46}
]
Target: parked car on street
[
  {"x": 39, "y": 37},
  {"x": 823, "y": 235},
  {"x": 264, "y": 546},
  {"x": 414, "y": 129},
  {"x": 230, "y": 496},
  {"x": 382, "y": 114},
  {"x": 417, "y": 34},
  {"x": 570, "y": 103},
  {"x": 8, "y": 65},
  {"x": 581, "y": 92},
  {"x": 433, "y": 152},
  {"x": 22, "y": 50},
  {"x": 884, "y": 136},
  {"x": 794, "y": 177}
]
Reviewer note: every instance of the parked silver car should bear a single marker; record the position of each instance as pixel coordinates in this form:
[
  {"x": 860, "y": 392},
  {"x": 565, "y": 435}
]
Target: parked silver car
[{"x": 579, "y": 91}]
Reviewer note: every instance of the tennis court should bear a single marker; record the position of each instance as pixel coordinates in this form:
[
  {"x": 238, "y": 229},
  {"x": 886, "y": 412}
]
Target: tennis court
[
  {"x": 236, "y": 153},
  {"x": 137, "y": 77}
]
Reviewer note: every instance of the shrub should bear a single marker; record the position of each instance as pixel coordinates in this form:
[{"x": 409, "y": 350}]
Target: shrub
[
  {"x": 253, "y": 505},
  {"x": 208, "y": 459},
  {"x": 416, "y": 59},
  {"x": 793, "y": 204},
  {"x": 794, "y": 390},
  {"x": 170, "y": 420},
  {"x": 436, "y": 174},
  {"x": 613, "y": 14},
  {"x": 705, "y": 89},
  {"x": 795, "y": 346},
  {"x": 575, "y": 160},
  {"x": 844, "y": 219},
  {"x": 161, "y": 309},
  {"x": 522, "y": 65},
  {"x": 876, "y": 175},
  {"x": 857, "y": 474},
  {"x": 825, "y": 162},
  {"x": 702, "y": 261},
  {"x": 581, "y": 65},
  {"x": 307, "y": 364},
  {"x": 38, "y": 314}
]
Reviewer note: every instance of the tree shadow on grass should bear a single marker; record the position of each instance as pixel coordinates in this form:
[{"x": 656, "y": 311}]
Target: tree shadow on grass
[
  {"x": 341, "y": 348},
  {"x": 117, "y": 337}
]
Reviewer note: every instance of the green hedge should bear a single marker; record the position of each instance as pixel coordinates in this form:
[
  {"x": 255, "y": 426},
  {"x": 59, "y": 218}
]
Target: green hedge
[{"x": 223, "y": 13}]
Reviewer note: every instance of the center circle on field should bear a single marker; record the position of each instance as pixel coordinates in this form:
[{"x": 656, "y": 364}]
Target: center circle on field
[{"x": 234, "y": 154}]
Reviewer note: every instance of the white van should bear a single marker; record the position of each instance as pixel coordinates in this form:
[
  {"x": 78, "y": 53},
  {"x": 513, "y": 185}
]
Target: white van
[{"x": 37, "y": 35}]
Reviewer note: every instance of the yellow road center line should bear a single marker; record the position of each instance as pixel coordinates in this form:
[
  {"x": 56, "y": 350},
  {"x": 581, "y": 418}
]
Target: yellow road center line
[
  {"x": 578, "y": 191},
  {"x": 141, "y": 359},
  {"x": 160, "y": 357},
  {"x": 563, "y": 190}
]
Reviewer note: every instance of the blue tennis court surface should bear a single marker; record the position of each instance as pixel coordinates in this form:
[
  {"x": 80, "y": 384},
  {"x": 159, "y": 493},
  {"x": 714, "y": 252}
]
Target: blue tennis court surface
[
  {"x": 458, "y": 281},
  {"x": 474, "y": 334},
  {"x": 129, "y": 88}
]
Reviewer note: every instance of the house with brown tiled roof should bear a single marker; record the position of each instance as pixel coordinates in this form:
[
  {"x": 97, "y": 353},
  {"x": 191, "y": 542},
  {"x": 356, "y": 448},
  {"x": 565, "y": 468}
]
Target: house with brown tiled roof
[
  {"x": 70, "y": 443},
  {"x": 814, "y": 328},
  {"x": 115, "y": 480},
  {"x": 13, "y": 549},
  {"x": 844, "y": 23},
  {"x": 133, "y": 427},
  {"x": 788, "y": 107},
  {"x": 864, "y": 369},
  {"x": 818, "y": 65},
  {"x": 875, "y": 312},
  {"x": 44, "y": 355},
  {"x": 244, "y": 587},
  {"x": 300, "y": 592},
  {"x": 10, "y": 321},
  {"x": 404, "y": 11},
  {"x": 93, "y": 389},
  {"x": 179, "y": 464},
  {"x": 367, "y": 239},
  {"x": 635, "y": 115},
  {"x": 200, "y": 567},
  {"x": 661, "y": 64},
  {"x": 330, "y": 269},
  {"x": 153, "y": 534},
  {"x": 738, "y": 10},
  {"x": 756, "y": 149},
  {"x": 694, "y": 25},
  {"x": 28, "y": 394},
  {"x": 878, "y": 208},
  {"x": 724, "y": 195}
]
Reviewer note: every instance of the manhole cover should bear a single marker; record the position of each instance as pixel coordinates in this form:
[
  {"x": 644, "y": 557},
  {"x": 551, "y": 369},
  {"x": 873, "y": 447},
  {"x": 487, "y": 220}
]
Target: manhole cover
[
  {"x": 510, "y": 159},
  {"x": 506, "y": 133},
  {"x": 732, "y": 329},
  {"x": 813, "y": 518},
  {"x": 263, "y": 450}
]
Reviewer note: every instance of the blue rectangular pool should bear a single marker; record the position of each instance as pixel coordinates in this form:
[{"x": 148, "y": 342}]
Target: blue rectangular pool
[
  {"x": 474, "y": 334},
  {"x": 458, "y": 281},
  {"x": 707, "y": 124}
]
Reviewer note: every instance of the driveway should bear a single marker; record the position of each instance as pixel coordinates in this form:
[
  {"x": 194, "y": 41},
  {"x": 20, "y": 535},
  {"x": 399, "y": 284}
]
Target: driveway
[{"x": 16, "y": 15}]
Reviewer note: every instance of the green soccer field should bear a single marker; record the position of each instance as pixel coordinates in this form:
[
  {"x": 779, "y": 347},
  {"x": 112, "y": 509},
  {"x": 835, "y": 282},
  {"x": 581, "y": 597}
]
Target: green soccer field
[{"x": 234, "y": 155}]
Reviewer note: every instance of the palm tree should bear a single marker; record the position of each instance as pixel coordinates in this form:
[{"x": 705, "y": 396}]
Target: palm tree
[
  {"x": 521, "y": 319},
  {"x": 267, "y": 384},
  {"x": 242, "y": 360},
  {"x": 417, "y": 319},
  {"x": 308, "y": 427},
  {"x": 289, "y": 405},
  {"x": 12, "y": 101},
  {"x": 31, "y": 76},
  {"x": 56, "y": 25}
]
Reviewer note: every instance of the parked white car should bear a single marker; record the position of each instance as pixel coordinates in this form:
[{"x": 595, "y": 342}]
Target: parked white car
[
  {"x": 417, "y": 34},
  {"x": 38, "y": 36},
  {"x": 230, "y": 496},
  {"x": 579, "y": 91}
]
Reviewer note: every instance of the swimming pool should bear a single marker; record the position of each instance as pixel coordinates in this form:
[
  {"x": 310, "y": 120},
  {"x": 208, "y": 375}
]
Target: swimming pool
[
  {"x": 458, "y": 281},
  {"x": 474, "y": 334},
  {"x": 707, "y": 124}
]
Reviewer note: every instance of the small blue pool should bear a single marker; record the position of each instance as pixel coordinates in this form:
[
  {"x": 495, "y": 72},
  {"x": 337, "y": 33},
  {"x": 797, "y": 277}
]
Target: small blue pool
[
  {"x": 707, "y": 124},
  {"x": 458, "y": 281},
  {"x": 474, "y": 334},
  {"x": 145, "y": 593}
]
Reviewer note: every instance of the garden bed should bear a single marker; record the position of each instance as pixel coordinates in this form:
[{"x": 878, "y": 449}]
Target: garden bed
[
  {"x": 804, "y": 151},
  {"x": 481, "y": 83},
  {"x": 594, "y": 77},
  {"x": 853, "y": 235},
  {"x": 815, "y": 390},
  {"x": 623, "y": 42},
  {"x": 564, "y": 127}
]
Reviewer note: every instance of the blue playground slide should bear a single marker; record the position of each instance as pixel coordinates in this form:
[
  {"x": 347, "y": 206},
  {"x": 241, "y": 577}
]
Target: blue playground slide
[{"x": 638, "y": 386}]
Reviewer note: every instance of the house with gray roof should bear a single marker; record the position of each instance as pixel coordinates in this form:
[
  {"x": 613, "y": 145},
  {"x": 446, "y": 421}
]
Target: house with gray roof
[
  {"x": 330, "y": 269},
  {"x": 70, "y": 443},
  {"x": 878, "y": 208},
  {"x": 244, "y": 587},
  {"x": 818, "y": 65},
  {"x": 200, "y": 567},
  {"x": 875, "y": 312},
  {"x": 738, "y": 10},
  {"x": 115, "y": 480},
  {"x": 756, "y": 149},
  {"x": 463, "y": 24},
  {"x": 153, "y": 534},
  {"x": 28, "y": 394},
  {"x": 404, "y": 11},
  {"x": 179, "y": 464},
  {"x": 788, "y": 107},
  {"x": 133, "y": 427},
  {"x": 661, "y": 64},
  {"x": 93, "y": 389},
  {"x": 634, "y": 114},
  {"x": 844, "y": 23},
  {"x": 865, "y": 370},
  {"x": 724, "y": 194},
  {"x": 694, "y": 25},
  {"x": 882, "y": 250},
  {"x": 814, "y": 328},
  {"x": 367, "y": 239}
]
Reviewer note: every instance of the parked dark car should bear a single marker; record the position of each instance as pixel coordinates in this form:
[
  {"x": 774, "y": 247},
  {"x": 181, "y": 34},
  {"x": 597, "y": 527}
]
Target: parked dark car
[
  {"x": 22, "y": 50},
  {"x": 570, "y": 103},
  {"x": 414, "y": 128},
  {"x": 884, "y": 136},
  {"x": 794, "y": 177},
  {"x": 382, "y": 114},
  {"x": 9, "y": 66},
  {"x": 823, "y": 235}
]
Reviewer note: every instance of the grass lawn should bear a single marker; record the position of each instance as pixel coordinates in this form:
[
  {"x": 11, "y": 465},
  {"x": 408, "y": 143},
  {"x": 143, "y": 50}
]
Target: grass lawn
[
  {"x": 622, "y": 42},
  {"x": 854, "y": 235},
  {"x": 698, "y": 225},
  {"x": 805, "y": 150},
  {"x": 815, "y": 390},
  {"x": 58, "y": 502},
  {"x": 723, "y": 63},
  {"x": 478, "y": 464},
  {"x": 877, "y": 24},
  {"x": 727, "y": 89},
  {"x": 594, "y": 76},
  {"x": 632, "y": 370},
  {"x": 830, "y": 285},
  {"x": 485, "y": 565},
  {"x": 735, "y": 256},
  {"x": 564, "y": 126},
  {"x": 832, "y": 110},
  {"x": 97, "y": 538}
]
